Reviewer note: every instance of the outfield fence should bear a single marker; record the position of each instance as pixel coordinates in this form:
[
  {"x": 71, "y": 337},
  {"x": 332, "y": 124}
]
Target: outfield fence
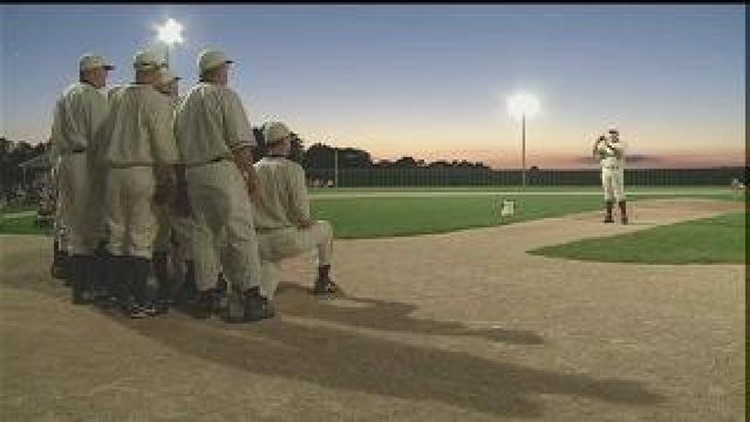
[{"x": 388, "y": 177}]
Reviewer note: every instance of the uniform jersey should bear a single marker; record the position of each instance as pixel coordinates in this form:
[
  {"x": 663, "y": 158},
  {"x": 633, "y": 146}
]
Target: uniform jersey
[
  {"x": 282, "y": 200},
  {"x": 612, "y": 157},
  {"x": 79, "y": 114},
  {"x": 138, "y": 131},
  {"x": 210, "y": 122}
]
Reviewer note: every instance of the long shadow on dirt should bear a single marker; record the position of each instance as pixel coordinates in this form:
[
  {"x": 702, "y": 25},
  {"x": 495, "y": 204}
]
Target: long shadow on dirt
[{"x": 340, "y": 359}]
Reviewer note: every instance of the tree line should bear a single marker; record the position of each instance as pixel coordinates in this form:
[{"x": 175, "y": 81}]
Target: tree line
[{"x": 318, "y": 156}]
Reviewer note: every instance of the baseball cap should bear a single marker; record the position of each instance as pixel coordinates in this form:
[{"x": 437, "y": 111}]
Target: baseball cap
[
  {"x": 275, "y": 131},
  {"x": 209, "y": 59},
  {"x": 93, "y": 61},
  {"x": 612, "y": 129},
  {"x": 166, "y": 76},
  {"x": 145, "y": 60}
]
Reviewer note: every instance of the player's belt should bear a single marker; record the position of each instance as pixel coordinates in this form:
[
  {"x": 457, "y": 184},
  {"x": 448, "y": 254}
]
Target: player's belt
[
  {"x": 211, "y": 161},
  {"x": 612, "y": 167},
  {"x": 76, "y": 150}
]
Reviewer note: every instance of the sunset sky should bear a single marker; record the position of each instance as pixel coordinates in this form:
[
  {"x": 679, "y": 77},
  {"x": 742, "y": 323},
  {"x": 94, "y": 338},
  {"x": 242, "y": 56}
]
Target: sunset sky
[{"x": 428, "y": 81}]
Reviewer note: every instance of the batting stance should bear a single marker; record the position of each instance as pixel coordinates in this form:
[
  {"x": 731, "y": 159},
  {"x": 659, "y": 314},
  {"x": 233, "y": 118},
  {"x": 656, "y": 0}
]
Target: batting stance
[
  {"x": 214, "y": 139},
  {"x": 611, "y": 154},
  {"x": 139, "y": 151},
  {"x": 78, "y": 117},
  {"x": 282, "y": 214}
]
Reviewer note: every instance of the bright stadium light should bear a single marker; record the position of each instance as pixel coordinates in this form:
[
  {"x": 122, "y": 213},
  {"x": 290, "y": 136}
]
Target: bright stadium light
[
  {"x": 521, "y": 106},
  {"x": 170, "y": 33}
]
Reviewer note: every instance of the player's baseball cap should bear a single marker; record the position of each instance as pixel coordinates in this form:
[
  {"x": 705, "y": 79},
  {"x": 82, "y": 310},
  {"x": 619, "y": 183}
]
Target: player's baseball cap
[
  {"x": 210, "y": 59},
  {"x": 275, "y": 131},
  {"x": 93, "y": 61},
  {"x": 166, "y": 76},
  {"x": 146, "y": 60},
  {"x": 612, "y": 129}
]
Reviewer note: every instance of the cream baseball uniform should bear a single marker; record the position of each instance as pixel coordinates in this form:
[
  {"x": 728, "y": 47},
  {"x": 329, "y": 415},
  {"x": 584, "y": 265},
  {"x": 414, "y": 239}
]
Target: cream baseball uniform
[
  {"x": 139, "y": 137},
  {"x": 612, "y": 161},
  {"x": 279, "y": 204},
  {"x": 209, "y": 123},
  {"x": 164, "y": 219},
  {"x": 79, "y": 114}
]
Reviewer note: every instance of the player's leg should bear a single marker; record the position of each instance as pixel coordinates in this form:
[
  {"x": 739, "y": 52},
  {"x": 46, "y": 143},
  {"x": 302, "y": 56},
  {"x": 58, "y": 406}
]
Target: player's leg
[
  {"x": 240, "y": 258},
  {"x": 320, "y": 237},
  {"x": 114, "y": 219},
  {"x": 205, "y": 269},
  {"x": 618, "y": 183},
  {"x": 608, "y": 195},
  {"x": 140, "y": 235}
]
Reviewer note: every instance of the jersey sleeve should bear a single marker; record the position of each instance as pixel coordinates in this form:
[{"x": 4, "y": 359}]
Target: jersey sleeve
[
  {"x": 299, "y": 200},
  {"x": 237, "y": 129}
]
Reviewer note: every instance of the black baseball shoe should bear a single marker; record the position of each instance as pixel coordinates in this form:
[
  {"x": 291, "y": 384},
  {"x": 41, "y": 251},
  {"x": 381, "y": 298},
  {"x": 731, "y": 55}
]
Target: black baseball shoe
[
  {"x": 137, "y": 311},
  {"x": 256, "y": 306},
  {"x": 203, "y": 306},
  {"x": 325, "y": 287}
]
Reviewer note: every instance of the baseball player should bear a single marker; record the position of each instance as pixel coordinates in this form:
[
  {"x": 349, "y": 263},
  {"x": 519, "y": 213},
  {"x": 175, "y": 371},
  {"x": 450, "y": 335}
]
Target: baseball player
[
  {"x": 138, "y": 149},
  {"x": 214, "y": 139},
  {"x": 78, "y": 117},
  {"x": 168, "y": 84},
  {"x": 282, "y": 214},
  {"x": 611, "y": 154}
]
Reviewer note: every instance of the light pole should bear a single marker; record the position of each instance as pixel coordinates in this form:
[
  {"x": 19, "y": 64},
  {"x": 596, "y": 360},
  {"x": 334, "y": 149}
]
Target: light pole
[
  {"x": 520, "y": 106},
  {"x": 336, "y": 167},
  {"x": 169, "y": 33}
]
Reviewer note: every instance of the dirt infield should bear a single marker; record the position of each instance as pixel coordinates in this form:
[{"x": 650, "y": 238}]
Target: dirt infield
[{"x": 453, "y": 327}]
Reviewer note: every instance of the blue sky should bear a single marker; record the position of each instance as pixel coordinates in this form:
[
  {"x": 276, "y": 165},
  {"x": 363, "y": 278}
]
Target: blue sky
[{"x": 426, "y": 81}]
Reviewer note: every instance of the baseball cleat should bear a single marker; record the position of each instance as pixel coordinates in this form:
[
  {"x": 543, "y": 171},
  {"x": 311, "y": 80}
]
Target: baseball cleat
[{"x": 325, "y": 287}]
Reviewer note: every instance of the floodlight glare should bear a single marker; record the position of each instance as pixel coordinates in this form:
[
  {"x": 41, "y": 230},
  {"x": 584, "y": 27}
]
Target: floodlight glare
[
  {"x": 521, "y": 105},
  {"x": 170, "y": 32}
]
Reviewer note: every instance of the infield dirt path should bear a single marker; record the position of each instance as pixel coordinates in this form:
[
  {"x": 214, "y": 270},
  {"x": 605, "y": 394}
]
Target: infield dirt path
[{"x": 456, "y": 327}]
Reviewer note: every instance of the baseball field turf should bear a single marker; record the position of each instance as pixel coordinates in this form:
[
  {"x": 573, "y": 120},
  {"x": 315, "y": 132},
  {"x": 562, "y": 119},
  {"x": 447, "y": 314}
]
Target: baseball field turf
[{"x": 395, "y": 212}]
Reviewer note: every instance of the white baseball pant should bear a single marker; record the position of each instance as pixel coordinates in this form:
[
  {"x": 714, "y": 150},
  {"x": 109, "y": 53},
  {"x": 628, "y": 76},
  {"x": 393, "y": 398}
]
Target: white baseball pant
[
  {"x": 224, "y": 237},
  {"x": 129, "y": 211},
  {"x": 276, "y": 245},
  {"x": 613, "y": 181},
  {"x": 76, "y": 214}
]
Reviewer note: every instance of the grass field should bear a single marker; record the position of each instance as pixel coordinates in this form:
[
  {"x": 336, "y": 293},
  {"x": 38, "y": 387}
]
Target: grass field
[
  {"x": 22, "y": 225},
  {"x": 415, "y": 211},
  {"x": 718, "y": 240},
  {"x": 11, "y": 209},
  {"x": 357, "y": 218}
]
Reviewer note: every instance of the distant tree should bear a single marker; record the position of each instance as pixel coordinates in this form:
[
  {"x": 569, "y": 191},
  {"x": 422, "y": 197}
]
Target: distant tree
[
  {"x": 353, "y": 158},
  {"x": 319, "y": 156},
  {"x": 12, "y": 154}
]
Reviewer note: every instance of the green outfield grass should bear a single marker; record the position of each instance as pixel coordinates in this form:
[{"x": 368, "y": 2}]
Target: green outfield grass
[
  {"x": 355, "y": 218},
  {"x": 22, "y": 225},
  {"x": 402, "y": 215},
  {"x": 11, "y": 209},
  {"x": 717, "y": 240}
]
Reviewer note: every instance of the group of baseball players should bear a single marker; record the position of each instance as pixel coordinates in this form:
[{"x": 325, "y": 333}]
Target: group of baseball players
[
  {"x": 147, "y": 178},
  {"x": 610, "y": 151}
]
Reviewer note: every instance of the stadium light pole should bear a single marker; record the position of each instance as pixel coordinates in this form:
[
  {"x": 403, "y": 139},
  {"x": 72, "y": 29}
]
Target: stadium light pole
[
  {"x": 170, "y": 33},
  {"x": 520, "y": 106}
]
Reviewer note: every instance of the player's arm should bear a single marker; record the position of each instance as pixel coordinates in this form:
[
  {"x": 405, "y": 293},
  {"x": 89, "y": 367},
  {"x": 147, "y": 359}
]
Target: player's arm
[
  {"x": 300, "y": 200},
  {"x": 240, "y": 138},
  {"x": 595, "y": 150},
  {"x": 618, "y": 149}
]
